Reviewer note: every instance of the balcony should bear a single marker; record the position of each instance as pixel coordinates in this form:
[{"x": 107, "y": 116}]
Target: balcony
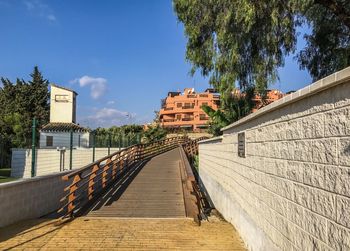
[
  {"x": 187, "y": 119},
  {"x": 168, "y": 120},
  {"x": 203, "y": 118},
  {"x": 203, "y": 95},
  {"x": 188, "y": 107},
  {"x": 168, "y": 109}
]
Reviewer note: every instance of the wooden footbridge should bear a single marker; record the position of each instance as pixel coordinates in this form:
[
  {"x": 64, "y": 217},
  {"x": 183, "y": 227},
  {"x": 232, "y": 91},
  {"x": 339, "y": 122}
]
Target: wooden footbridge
[
  {"x": 143, "y": 181},
  {"x": 140, "y": 198}
]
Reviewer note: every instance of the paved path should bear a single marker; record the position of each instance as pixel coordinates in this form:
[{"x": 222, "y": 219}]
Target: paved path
[
  {"x": 128, "y": 218},
  {"x": 120, "y": 234},
  {"x": 152, "y": 191}
]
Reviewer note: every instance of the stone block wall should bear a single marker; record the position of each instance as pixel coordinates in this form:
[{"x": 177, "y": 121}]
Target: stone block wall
[
  {"x": 30, "y": 198},
  {"x": 292, "y": 190}
]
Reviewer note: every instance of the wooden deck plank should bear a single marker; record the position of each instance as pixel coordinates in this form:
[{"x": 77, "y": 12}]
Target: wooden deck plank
[{"x": 155, "y": 192}]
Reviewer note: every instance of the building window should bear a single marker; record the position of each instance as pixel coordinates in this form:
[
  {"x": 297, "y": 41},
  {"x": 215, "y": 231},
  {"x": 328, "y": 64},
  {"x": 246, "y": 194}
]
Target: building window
[
  {"x": 205, "y": 103},
  {"x": 179, "y": 104},
  {"x": 178, "y": 117},
  {"x": 202, "y": 117},
  {"x": 49, "y": 140}
]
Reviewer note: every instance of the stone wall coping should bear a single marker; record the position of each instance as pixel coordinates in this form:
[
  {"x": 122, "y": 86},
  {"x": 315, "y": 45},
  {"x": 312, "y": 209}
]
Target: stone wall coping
[
  {"x": 34, "y": 179},
  {"x": 67, "y": 148},
  {"x": 211, "y": 139},
  {"x": 318, "y": 86}
]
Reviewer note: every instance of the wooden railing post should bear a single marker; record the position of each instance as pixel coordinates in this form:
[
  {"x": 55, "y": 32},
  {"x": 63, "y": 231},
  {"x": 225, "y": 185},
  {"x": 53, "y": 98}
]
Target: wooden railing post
[
  {"x": 104, "y": 173},
  {"x": 72, "y": 195},
  {"x": 91, "y": 184},
  {"x": 114, "y": 168}
]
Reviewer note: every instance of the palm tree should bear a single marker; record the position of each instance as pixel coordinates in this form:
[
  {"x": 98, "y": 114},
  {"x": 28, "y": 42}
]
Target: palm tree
[{"x": 233, "y": 107}]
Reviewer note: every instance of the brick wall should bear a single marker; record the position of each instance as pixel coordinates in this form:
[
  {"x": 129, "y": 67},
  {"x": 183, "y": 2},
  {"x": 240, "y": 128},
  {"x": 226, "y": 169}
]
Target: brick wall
[{"x": 292, "y": 190}]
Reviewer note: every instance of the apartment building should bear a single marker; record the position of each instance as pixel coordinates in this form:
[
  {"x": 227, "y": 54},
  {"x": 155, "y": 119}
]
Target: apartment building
[
  {"x": 183, "y": 110},
  {"x": 271, "y": 96}
]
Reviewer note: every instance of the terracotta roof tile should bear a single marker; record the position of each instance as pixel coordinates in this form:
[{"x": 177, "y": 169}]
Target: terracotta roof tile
[{"x": 63, "y": 127}]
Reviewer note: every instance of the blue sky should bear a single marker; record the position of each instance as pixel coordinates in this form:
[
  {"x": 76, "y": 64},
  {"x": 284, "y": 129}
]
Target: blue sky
[{"x": 122, "y": 57}]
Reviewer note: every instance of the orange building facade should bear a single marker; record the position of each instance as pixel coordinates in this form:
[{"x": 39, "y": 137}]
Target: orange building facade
[
  {"x": 183, "y": 110},
  {"x": 271, "y": 96}
]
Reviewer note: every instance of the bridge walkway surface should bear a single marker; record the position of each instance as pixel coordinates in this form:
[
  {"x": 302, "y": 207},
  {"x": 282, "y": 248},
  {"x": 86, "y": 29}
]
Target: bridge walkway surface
[
  {"x": 143, "y": 211},
  {"x": 153, "y": 190}
]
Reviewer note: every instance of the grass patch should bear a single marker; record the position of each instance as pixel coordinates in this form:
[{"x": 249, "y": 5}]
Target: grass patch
[
  {"x": 6, "y": 179},
  {"x": 5, "y": 174}
]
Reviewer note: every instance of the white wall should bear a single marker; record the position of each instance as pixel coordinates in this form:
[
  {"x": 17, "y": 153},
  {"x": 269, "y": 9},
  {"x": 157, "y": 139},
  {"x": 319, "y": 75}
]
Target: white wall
[
  {"x": 48, "y": 160},
  {"x": 292, "y": 190},
  {"x": 62, "y": 111},
  {"x": 62, "y": 139},
  {"x": 30, "y": 198}
]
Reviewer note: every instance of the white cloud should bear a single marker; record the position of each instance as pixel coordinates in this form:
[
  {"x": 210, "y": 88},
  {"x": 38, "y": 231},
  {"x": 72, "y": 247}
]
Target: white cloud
[
  {"x": 111, "y": 102},
  {"x": 38, "y": 8},
  {"x": 109, "y": 113},
  {"x": 107, "y": 117},
  {"x": 98, "y": 86},
  {"x": 51, "y": 17}
]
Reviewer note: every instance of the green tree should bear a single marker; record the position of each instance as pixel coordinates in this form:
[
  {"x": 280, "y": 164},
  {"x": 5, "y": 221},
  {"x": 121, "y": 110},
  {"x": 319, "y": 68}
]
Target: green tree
[
  {"x": 328, "y": 45},
  {"x": 39, "y": 98},
  {"x": 20, "y": 103},
  {"x": 232, "y": 108},
  {"x": 246, "y": 41},
  {"x": 154, "y": 133},
  {"x": 126, "y": 134},
  {"x": 16, "y": 133}
]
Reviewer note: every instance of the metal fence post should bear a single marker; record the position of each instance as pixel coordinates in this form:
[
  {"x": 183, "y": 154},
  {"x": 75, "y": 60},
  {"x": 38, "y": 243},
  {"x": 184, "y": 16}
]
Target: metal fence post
[
  {"x": 120, "y": 141},
  {"x": 33, "y": 146},
  {"x": 71, "y": 150},
  {"x": 93, "y": 146},
  {"x": 109, "y": 144},
  {"x": 1, "y": 152}
]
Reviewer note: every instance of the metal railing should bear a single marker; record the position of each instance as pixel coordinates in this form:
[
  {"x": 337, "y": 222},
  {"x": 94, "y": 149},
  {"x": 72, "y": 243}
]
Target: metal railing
[
  {"x": 187, "y": 119},
  {"x": 191, "y": 95},
  {"x": 88, "y": 182},
  {"x": 168, "y": 120},
  {"x": 188, "y": 107}
]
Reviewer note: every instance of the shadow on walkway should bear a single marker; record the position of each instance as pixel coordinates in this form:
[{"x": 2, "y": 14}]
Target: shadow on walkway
[
  {"x": 115, "y": 190},
  {"x": 32, "y": 230},
  {"x": 28, "y": 231}
]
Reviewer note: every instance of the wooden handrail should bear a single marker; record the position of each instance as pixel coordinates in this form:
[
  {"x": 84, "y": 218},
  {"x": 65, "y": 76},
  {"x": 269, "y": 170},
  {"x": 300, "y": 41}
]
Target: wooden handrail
[
  {"x": 87, "y": 182},
  {"x": 192, "y": 194},
  {"x": 187, "y": 176}
]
